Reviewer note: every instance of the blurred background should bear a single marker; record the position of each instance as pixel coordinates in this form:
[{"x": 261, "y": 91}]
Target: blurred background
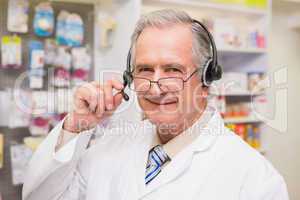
[{"x": 50, "y": 47}]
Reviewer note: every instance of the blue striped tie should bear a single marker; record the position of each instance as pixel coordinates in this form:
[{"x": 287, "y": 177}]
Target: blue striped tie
[{"x": 156, "y": 159}]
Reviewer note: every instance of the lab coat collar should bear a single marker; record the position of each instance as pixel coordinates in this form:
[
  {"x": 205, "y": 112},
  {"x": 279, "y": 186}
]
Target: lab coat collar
[
  {"x": 208, "y": 132},
  {"x": 182, "y": 161},
  {"x": 200, "y": 135}
]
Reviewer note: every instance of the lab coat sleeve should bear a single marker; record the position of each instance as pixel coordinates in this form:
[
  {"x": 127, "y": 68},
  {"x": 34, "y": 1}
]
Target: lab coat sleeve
[
  {"x": 266, "y": 185},
  {"x": 274, "y": 189},
  {"x": 49, "y": 173}
]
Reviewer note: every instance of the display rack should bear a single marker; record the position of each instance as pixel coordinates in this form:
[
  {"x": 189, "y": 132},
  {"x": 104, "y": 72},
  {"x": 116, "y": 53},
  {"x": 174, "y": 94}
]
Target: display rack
[{"x": 15, "y": 136}]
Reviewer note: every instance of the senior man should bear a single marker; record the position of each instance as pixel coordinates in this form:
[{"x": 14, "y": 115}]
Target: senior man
[{"x": 181, "y": 150}]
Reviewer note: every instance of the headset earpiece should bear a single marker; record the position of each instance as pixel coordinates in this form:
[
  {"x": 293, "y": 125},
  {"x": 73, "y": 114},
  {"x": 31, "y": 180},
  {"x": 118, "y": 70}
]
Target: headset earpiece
[
  {"x": 127, "y": 78},
  {"x": 206, "y": 80},
  {"x": 211, "y": 73},
  {"x": 211, "y": 70},
  {"x": 218, "y": 71}
]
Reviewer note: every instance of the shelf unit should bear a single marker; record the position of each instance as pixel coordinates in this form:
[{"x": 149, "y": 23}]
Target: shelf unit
[{"x": 8, "y": 78}]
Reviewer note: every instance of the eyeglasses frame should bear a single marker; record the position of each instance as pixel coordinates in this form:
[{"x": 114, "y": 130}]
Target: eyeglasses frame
[{"x": 183, "y": 80}]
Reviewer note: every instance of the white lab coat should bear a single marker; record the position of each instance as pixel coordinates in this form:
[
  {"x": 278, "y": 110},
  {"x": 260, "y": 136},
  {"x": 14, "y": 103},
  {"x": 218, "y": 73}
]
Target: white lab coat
[{"x": 217, "y": 165}]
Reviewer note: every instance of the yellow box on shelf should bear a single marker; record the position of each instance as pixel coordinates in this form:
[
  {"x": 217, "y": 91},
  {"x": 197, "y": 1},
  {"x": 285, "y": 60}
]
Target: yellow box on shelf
[
  {"x": 257, "y": 3},
  {"x": 1, "y": 150}
]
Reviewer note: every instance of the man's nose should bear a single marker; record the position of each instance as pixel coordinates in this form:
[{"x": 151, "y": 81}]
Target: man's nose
[{"x": 155, "y": 89}]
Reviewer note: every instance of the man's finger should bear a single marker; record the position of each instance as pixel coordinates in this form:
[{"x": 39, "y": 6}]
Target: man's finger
[
  {"x": 100, "y": 103},
  {"x": 109, "y": 101},
  {"x": 81, "y": 106},
  {"x": 116, "y": 84}
]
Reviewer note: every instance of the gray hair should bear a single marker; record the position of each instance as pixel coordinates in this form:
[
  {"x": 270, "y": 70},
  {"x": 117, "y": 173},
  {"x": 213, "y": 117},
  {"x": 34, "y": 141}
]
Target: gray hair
[{"x": 164, "y": 18}]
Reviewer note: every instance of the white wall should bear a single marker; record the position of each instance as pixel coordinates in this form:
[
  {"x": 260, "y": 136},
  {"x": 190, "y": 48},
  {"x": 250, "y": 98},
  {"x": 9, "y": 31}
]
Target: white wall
[
  {"x": 111, "y": 62},
  {"x": 284, "y": 147},
  {"x": 126, "y": 13}
]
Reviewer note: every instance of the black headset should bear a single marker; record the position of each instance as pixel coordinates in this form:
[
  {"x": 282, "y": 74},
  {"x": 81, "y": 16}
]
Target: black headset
[{"x": 212, "y": 71}]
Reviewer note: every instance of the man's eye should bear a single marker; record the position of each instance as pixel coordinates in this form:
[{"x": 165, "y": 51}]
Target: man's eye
[
  {"x": 145, "y": 69},
  {"x": 173, "y": 70}
]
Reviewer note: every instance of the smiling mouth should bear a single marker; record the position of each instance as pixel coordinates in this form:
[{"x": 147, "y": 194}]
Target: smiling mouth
[{"x": 162, "y": 103}]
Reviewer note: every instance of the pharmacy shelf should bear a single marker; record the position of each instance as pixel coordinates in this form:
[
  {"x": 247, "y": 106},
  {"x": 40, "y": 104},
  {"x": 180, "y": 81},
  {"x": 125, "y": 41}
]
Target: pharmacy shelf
[
  {"x": 240, "y": 120},
  {"x": 211, "y": 5}
]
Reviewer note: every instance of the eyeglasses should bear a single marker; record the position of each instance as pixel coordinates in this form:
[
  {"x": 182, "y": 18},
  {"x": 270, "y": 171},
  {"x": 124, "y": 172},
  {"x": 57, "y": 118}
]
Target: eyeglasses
[{"x": 167, "y": 84}]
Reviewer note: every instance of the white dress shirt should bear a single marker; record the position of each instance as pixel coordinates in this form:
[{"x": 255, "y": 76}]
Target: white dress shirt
[{"x": 215, "y": 164}]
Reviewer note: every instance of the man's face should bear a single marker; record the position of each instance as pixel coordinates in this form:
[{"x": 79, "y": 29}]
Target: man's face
[{"x": 162, "y": 53}]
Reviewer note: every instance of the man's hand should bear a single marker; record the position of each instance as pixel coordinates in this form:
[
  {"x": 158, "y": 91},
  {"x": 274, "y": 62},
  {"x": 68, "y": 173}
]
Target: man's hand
[{"x": 93, "y": 103}]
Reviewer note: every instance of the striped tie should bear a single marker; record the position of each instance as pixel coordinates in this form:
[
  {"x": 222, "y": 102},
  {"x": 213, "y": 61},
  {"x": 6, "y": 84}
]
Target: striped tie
[{"x": 156, "y": 159}]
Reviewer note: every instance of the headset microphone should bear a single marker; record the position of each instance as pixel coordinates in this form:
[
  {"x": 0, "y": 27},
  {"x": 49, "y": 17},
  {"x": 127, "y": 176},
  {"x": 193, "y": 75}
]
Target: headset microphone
[{"x": 125, "y": 96}]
